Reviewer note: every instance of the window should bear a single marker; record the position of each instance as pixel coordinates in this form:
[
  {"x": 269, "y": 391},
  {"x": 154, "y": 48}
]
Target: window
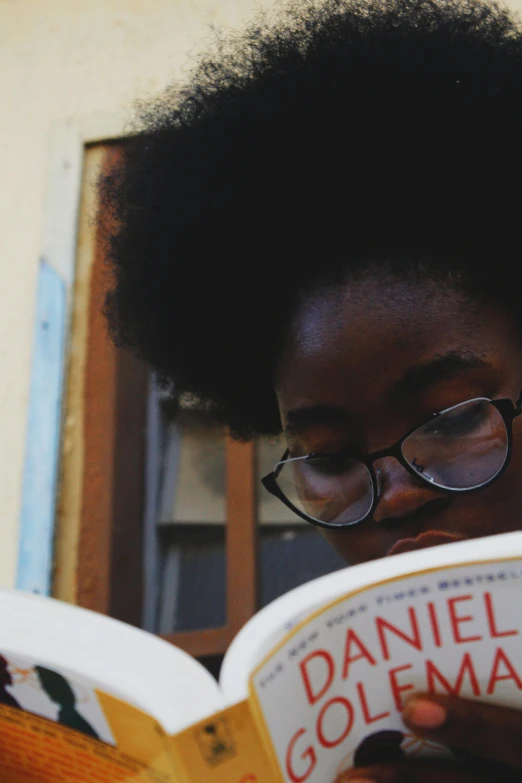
[{"x": 163, "y": 522}]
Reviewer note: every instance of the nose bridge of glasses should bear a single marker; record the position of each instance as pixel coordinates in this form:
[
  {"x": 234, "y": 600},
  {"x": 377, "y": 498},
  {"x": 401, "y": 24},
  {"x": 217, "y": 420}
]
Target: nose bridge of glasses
[
  {"x": 389, "y": 469},
  {"x": 391, "y": 455}
]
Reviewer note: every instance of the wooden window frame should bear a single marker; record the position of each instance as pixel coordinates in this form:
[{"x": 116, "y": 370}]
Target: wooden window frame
[{"x": 109, "y": 555}]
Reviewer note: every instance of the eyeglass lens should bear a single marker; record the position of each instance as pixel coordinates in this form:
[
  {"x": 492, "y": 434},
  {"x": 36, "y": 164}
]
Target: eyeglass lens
[{"x": 463, "y": 448}]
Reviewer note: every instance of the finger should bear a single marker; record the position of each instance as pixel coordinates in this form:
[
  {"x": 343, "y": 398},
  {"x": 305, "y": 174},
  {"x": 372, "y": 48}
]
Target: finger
[
  {"x": 428, "y": 772},
  {"x": 484, "y": 730}
]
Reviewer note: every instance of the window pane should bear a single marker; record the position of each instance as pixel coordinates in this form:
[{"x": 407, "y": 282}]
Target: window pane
[
  {"x": 192, "y": 529},
  {"x": 270, "y": 510},
  {"x": 292, "y": 556},
  {"x": 193, "y": 579},
  {"x": 194, "y": 472}
]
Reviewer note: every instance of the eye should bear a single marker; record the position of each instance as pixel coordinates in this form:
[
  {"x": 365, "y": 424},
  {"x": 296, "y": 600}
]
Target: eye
[
  {"x": 330, "y": 464},
  {"x": 460, "y": 421}
]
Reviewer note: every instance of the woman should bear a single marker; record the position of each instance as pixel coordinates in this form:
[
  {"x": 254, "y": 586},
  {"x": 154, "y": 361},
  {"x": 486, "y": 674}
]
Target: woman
[{"x": 319, "y": 234}]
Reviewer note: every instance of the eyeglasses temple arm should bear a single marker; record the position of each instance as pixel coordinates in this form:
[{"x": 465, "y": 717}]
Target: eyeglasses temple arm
[{"x": 279, "y": 466}]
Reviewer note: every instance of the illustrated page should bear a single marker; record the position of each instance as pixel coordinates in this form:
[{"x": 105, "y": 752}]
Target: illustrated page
[{"x": 54, "y": 728}]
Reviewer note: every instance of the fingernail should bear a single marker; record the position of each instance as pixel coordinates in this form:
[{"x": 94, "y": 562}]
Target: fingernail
[{"x": 424, "y": 714}]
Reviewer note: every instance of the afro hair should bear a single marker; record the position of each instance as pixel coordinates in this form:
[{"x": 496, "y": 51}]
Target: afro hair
[{"x": 320, "y": 139}]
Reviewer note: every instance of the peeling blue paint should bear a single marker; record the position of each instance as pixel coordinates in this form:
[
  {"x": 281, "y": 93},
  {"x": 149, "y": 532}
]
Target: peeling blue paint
[{"x": 35, "y": 557}]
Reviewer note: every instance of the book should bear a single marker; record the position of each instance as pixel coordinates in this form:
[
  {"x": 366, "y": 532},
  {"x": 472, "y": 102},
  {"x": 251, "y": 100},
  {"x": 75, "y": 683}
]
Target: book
[{"x": 310, "y": 685}]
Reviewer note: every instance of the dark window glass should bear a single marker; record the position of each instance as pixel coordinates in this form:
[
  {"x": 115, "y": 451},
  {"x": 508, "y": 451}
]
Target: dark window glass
[
  {"x": 193, "y": 578},
  {"x": 291, "y": 556}
]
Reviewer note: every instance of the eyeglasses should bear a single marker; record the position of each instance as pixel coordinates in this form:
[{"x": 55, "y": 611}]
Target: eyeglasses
[{"x": 460, "y": 449}]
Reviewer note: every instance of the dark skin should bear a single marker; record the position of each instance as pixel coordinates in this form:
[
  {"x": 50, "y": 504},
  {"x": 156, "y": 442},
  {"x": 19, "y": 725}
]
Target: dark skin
[{"x": 362, "y": 365}]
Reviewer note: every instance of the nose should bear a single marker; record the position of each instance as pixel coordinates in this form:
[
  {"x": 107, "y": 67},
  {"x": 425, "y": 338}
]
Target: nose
[{"x": 400, "y": 494}]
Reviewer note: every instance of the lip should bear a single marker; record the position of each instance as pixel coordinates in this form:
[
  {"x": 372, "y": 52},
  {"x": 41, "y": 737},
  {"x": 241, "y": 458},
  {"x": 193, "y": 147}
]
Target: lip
[{"x": 424, "y": 540}]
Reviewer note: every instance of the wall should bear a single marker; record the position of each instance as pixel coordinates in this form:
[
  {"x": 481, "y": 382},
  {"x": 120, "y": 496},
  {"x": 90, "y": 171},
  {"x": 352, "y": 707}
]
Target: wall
[{"x": 61, "y": 59}]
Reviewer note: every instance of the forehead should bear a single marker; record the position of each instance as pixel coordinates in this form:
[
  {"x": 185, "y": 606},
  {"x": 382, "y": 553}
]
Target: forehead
[
  {"x": 377, "y": 306},
  {"x": 347, "y": 345}
]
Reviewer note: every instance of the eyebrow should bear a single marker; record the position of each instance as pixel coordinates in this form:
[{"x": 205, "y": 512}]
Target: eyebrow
[
  {"x": 443, "y": 367},
  {"x": 301, "y": 418},
  {"x": 415, "y": 380}
]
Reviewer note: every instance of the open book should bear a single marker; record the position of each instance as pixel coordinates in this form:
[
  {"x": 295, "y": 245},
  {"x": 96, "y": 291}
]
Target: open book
[{"x": 310, "y": 684}]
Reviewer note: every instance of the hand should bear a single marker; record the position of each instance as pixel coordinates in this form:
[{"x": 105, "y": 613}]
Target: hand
[{"x": 486, "y": 740}]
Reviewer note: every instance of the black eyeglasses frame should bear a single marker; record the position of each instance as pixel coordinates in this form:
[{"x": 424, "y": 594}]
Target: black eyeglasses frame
[{"x": 505, "y": 407}]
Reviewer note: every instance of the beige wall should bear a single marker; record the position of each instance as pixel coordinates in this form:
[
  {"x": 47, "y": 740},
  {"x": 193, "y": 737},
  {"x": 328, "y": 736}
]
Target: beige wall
[{"x": 60, "y": 59}]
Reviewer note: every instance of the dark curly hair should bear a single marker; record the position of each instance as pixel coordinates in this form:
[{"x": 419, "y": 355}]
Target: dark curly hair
[{"x": 337, "y": 135}]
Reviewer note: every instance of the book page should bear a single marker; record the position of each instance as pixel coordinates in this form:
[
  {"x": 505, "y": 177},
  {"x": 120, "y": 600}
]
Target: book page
[
  {"x": 55, "y": 729},
  {"x": 333, "y": 690},
  {"x": 266, "y": 629}
]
